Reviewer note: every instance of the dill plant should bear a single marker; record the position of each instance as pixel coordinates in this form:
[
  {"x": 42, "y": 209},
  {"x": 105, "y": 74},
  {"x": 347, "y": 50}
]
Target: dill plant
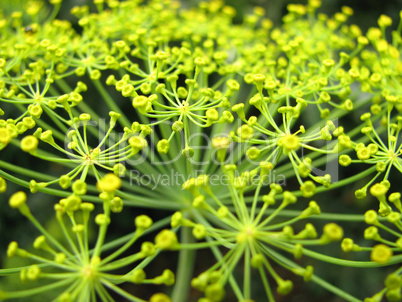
[{"x": 217, "y": 136}]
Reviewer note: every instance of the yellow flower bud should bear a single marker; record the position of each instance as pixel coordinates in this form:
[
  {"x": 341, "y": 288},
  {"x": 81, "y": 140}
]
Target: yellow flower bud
[
  {"x": 199, "y": 61},
  {"x": 3, "y": 185},
  {"x": 102, "y": 219},
  {"x": 29, "y": 143},
  {"x": 160, "y": 297},
  {"x": 308, "y": 188},
  {"x": 60, "y": 257},
  {"x": 371, "y": 233},
  {"x": 384, "y": 21},
  {"x": 187, "y": 152},
  {"x": 78, "y": 228},
  {"x": 381, "y": 253},
  {"x": 163, "y": 146},
  {"x": 239, "y": 109},
  {"x": 137, "y": 276},
  {"x": 143, "y": 222},
  {"x": 333, "y": 232},
  {"x": 166, "y": 278},
  {"x": 212, "y": 115},
  {"x": 257, "y": 260},
  {"x": 371, "y": 217},
  {"x": 215, "y": 292},
  {"x": 95, "y": 75},
  {"x": 109, "y": 183},
  {"x": 378, "y": 190},
  {"x": 33, "y": 272},
  {"x": 47, "y": 137},
  {"x": 363, "y": 153},
  {"x": 253, "y": 153},
  {"x": 347, "y": 245},
  {"x": 72, "y": 203},
  {"x": 79, "y": 187},
  {"x": 5, "y": 136},
  {"x": 199, "y": 231},
  {"x": 284, "y": 287},
  {"x": 245, "y": 132},
  {"x": 35, "y": 110},
  {"x": 148, "y": 249},
  {"x": 289, "y": 143},
  {"x": 17, "y": 199},
  {"x": 166, "y": 239},
  {"x": 12, "y": 249},
  {"x": 233, "y": 85}
]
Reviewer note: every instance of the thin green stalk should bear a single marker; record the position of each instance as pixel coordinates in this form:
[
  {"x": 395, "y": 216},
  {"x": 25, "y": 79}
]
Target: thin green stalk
[
  {"x": 124, "y": 121},
  {"x": 185, "y": 268},
  {"x": 37, "y": 290},
  {"x": 337, "y": 291}
]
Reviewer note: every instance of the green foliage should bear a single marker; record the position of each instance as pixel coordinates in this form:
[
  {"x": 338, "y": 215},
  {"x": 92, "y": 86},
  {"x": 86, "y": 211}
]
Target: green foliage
[{"x": 217, "y": 135}]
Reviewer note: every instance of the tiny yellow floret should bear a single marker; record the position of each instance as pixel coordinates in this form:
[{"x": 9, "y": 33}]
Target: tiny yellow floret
[
  {"x": 289, "y": 142},
  {"x": 29, "y": 143},
  {"x": 160, "y": 297},
  {"x": 17, "y": 199},
  {"x": 381, "y": 253},
  {"x": 109, "y": 183}
]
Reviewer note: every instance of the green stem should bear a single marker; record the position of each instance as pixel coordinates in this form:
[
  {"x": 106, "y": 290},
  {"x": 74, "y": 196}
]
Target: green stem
[
  {"x": 121, "y": 292},
  {"x": 111, "y": 103},
  {"x": 36, "y": 290},
  {"x": 328, "y": 286},
  {"x": 185, "y": 268}
]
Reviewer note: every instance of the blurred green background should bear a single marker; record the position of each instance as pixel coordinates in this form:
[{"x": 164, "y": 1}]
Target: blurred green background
[{"x": 366, "y": 12}]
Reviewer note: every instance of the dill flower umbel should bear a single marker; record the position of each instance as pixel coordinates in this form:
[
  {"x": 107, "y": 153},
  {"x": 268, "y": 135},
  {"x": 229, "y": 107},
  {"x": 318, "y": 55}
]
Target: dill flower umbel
[{"x": 230, "y": 142}]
